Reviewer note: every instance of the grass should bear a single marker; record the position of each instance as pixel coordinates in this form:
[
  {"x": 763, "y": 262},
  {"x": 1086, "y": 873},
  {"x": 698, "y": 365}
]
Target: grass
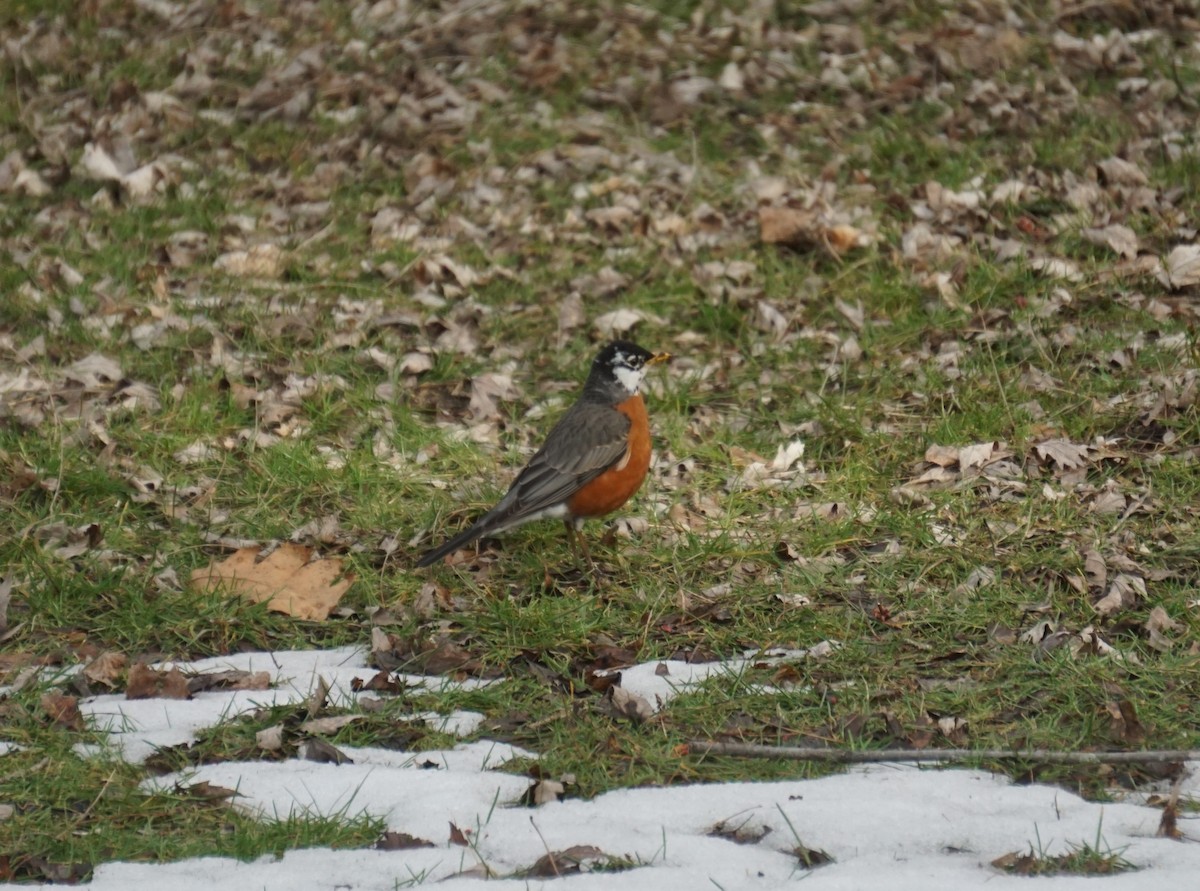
[
  {"x": 1017, "y": 358},
  {"x": 1084, "y": 858},
  {"x": 76, "y": 812}
]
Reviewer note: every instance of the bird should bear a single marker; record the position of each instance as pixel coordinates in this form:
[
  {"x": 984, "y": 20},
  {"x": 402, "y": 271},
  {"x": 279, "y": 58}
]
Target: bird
[{"x": 592, "y": 461}]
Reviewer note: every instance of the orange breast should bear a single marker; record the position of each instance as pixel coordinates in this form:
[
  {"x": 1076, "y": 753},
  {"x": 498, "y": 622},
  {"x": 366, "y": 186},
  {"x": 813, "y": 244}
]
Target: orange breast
[{"x": 615, "y": 486}]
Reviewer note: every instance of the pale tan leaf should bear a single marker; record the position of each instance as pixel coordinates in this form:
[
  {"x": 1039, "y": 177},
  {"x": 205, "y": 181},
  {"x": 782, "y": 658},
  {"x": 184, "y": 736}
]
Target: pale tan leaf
[
  {"x": 1123, "y": 594},
  {"x": 1118, "y": 171},
  {"x": 943, "y": 456},
  {"x": 260, "y": 261},
  {"x": 1183, "y": 266},
  {"x": 1119, "y": 239},
  {"x": 1065, "y": 454},
  {"x": 287, "y": 580},
  {"x": 1158, "y": 626},
  {"x": 976, "y": 455},
  {"x": 629, "y": 705}
]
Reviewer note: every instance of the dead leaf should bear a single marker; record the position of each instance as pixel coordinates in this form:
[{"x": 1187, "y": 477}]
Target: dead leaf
[
  {"x": 625, "y": 704},
  {"x": 1158, "y": 626},
  {"x": 545, "y": 791},
  {"x": 568, "y": 862},
  {"x": 147, "y": 683},
  {"x": 618, "y": 322},
  {"x": 400, "y": 841},
  {"x": 328, "y": 725},
  {"x": 94, "y": 372},
  {"x": 1118, "y": 171},
  {"x": 229, "y": 680},
  {"x": 1121, "y": 240},
  {"x": 287, "y": 580},
  {"x": 6, "y": 586},
  {"x": 1182, "y": 266},
  {"x": 322, "y": 752},
  {"x": 206, "y": 791},
  {"x": 270, "y": 739},
  {"x": 62, "y": 710},
  {"x": 486, "y": 390},
  {"x": 1065, "y": 454},
  {"x": 263, "y": 261},
  {"x": 106, "y": 668},
  {"x": 943, "y": 456},
  {"x": 1123, "y": 594},
  {"x": 976, "y": 456},
  {"x": 1125, "y": 728},
  {"x": 1095, "y": 569}
]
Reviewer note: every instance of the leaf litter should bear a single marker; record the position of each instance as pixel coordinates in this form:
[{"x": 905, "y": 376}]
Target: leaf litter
[{"x": 103, "y": 150}]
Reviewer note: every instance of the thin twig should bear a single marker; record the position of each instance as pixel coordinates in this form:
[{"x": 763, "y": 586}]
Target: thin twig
[{"x": 847, "y": 756}]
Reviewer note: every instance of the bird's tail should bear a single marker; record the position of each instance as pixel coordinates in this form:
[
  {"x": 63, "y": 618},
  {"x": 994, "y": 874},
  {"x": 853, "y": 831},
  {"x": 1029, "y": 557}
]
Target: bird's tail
[{"x": 478, "y": 530}]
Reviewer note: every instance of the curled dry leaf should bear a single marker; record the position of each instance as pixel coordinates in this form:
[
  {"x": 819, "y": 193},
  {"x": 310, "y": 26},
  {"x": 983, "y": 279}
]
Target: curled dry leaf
[
  {"x": 573, "y": 860},
  {"x": 1119, "y": 239},
  {"x": 1123, "y": 594},
  {"x": 486, "y": 390},
  {"x": 415, "y": 362},
  {"x": 106, "y": 668},
  {"x": 1118, "y": 171},
  {"x": 148, "y": 683},
  {"x": 270, "y": 739},
  {"x": 618, "y": 322},
  {"x": 260, "y": 261},
  {"x": 94, "y": 372},
  {"x": 624, "y": 704},
  {"x": 400, "y": 841},
  {"x": 1125, "y": 728},
  {"x": 1158, "y": 626},
  {"x": 1095, "y": 569},
  {"x": 62, "y": 710},
  {"x": 1182, "y": 266}
]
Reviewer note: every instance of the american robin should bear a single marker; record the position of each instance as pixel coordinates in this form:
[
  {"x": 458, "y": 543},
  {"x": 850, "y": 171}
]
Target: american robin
[{"x": 594, "y": 459}]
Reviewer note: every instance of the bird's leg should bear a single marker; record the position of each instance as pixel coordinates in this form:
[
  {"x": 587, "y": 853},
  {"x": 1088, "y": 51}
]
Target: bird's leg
[{"x": 579, "y": 543}]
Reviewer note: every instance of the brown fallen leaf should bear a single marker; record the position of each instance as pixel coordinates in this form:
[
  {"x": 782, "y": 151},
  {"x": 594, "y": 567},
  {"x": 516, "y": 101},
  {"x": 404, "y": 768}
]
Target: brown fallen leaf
[
  {"x": 1123, "y": 593},
  {"x": 1182, "y": 266},
  {"x": 106, "y": 668},
  {"x": 322, "y": 752},
  {"x": 229, "y": 680},
  {"x": 459, "y": 836},
  {"x": 147, "y": 683},
  {"x": 1063, "y": 453},
  {"x": 400, "y": 841},
  {"x": 1124, "y": 728},
  {"x": 288, "y": 580},
  {"x": 206, "y": 791},
  {"x": 62, "y": 710},
  {"x": 6, "y": 586},
  {"x": 805, "y": 229},
  {"x": 1158, "y": 625},
  {"x": 566, "y": 862}
]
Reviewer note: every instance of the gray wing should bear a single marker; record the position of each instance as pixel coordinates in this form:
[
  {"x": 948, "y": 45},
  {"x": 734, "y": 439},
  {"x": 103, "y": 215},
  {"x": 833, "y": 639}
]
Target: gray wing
[{"x": 588, "y": 440}]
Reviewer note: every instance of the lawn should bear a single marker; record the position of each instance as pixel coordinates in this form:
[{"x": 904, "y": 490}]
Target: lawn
[{"x": 325, "y": 273}]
